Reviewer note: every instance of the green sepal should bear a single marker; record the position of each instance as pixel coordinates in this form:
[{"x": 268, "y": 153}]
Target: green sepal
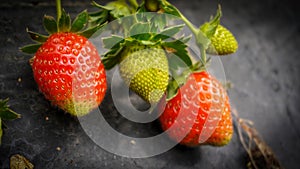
[
  {"x": 31, "y": 49},
  {"x": 6, "y": 113},
  {"x": 50, "y": 24},
  {"x": 168, "y": 32},
  {"x": 80, "y": 21},
  {"x": 209, "y": 28},
  {"x": 37, "y": 37},
  {"x": 64, "y": 23}
]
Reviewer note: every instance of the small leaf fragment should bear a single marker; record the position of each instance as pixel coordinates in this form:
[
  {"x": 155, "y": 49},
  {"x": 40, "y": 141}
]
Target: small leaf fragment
[
  {"x": 6, "y": 113},
  {"x": 50, "y": 24}
]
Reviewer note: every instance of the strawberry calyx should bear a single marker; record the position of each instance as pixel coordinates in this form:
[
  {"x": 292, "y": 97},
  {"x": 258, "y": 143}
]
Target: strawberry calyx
[
  {"x": 63, "y": 23},
  {"x": 227, "y": 40},
  {"x": 143, "y": 30}
]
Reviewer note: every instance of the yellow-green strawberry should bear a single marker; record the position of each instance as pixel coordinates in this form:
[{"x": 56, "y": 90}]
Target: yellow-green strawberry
[
  {"x": 145, "y": 69},
  {"x": 222, "y": 42},
  {"x": 142, "y": 57}
]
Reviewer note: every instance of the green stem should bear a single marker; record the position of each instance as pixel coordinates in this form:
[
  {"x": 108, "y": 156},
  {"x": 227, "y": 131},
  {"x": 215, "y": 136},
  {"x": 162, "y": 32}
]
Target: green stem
[
  {"x": 58, "y": 11},
  {"x": 198, "y": 36}
]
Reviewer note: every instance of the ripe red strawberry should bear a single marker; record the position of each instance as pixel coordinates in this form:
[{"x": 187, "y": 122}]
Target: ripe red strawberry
[
  {"x": 199, "y": 113},
  {"x": 66, "y": 66},
  {"x": 69, "y": 72}
]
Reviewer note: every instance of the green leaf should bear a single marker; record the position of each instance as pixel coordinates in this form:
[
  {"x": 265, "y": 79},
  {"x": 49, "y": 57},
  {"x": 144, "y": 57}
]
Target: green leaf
[
  {"x": 140, "y": 31},
  {"x": 80, "y": 21},
  {"x": 37, "y": 37},
  {"x": 111, "y": 41},
  {"x": 178, "y": 48},
  {"x": 50, "y": 24},
  {"x": 91, "y": 31},
  {"x": 64, "y": 23},
  {"x": 209, "y": 28},
  {"x": 99, "y": 17},
  {"x": 6, "y": 113},
  {"x": 1, "y": 132},
  {"x": 30, "y": 49},
  {"x": 168, "y": 32}
]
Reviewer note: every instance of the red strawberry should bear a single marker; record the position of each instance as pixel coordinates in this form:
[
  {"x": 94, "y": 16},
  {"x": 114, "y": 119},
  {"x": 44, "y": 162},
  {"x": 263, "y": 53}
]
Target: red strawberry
[
  {"x": 199, "y": 113},
  {"x": 66, "y": 66},
  {"x": 68, "y": 70}
]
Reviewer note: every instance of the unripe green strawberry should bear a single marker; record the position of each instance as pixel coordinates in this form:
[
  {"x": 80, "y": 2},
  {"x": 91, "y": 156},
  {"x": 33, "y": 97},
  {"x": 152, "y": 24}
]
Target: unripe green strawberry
[
  {"x": 145, "y": 69},
  {"x": 222, "y": 42}
]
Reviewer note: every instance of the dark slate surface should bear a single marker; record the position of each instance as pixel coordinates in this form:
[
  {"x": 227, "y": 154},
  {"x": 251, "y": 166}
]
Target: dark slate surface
[{"x": 265, "y": 73}]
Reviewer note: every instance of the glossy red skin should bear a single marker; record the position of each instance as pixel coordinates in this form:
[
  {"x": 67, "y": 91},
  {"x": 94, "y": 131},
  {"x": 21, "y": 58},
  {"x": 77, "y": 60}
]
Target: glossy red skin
[
  {"x": 69, "y": 72},
  {"x": 193, "y": 118}
]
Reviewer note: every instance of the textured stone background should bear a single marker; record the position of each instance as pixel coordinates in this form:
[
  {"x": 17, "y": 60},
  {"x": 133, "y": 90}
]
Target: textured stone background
[{"x": 265, "y": 74}]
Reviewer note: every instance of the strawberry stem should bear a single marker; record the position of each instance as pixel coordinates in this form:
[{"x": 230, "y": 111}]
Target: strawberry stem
[
  {"x": 199, "y": 36},
  {"x": 58, "y": 12}
]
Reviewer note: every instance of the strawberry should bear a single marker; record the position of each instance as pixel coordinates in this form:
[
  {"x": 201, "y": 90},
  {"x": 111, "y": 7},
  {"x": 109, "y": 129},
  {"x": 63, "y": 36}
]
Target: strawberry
[
  {"x": 223, "y": 42},
  {"x": 142, "y": 55},
  {"x": 145, "y": 70},
  {"x": 66, "y": 66},
  {"x": 199, "y": 113}
]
